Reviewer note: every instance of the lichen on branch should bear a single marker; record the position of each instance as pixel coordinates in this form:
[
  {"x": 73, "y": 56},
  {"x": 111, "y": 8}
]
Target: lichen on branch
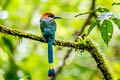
[{"x": 88, "y": 46}]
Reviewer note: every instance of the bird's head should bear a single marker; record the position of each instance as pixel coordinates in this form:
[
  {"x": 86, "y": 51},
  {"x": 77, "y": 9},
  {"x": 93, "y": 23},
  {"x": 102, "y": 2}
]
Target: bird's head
[{"x": 49, "y": 15}]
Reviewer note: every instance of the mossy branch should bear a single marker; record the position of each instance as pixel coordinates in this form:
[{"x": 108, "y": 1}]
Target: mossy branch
[
  {"x": 88, "y": 46},
  {"x": 22, "y": 34},
  {"x": 98, "y": 57}
]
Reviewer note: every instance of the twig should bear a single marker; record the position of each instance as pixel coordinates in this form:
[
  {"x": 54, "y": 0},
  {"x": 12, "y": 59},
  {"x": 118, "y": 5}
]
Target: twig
[
  {"x": 76, "y": 37},
  {"x": 114, "y": 3},
  {"x": 92, "y": 11},
  {"x": 88, "y": 46}
]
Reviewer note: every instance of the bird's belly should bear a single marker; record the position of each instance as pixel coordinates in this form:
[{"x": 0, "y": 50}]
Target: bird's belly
[{"x": 48, "y": 33}]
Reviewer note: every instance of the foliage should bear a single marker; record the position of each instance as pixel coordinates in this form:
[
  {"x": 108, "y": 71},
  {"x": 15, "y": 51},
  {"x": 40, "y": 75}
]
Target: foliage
[{"x": 105, "y": 24}]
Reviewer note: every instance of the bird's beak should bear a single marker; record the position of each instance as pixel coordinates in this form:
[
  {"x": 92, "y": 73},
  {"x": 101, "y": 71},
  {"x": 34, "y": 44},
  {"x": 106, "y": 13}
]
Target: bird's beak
[{"x": 57, "y": 17}]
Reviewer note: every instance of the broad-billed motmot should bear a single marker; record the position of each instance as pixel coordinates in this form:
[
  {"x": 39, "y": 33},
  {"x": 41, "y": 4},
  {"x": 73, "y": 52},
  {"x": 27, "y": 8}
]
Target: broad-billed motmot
[{"x": 48, "y": 28}]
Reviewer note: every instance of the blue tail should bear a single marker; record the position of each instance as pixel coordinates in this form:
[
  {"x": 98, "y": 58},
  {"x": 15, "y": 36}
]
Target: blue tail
[
  {"x": 51, "y": 71},
  {"x": 50, "y": 52}
]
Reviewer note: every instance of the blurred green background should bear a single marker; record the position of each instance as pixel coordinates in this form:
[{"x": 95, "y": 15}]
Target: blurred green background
[{"x": 26, "y": 59}]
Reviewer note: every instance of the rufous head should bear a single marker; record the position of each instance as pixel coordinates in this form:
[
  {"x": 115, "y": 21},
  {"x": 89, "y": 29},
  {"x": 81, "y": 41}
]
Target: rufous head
[{"x": 49, "y": 15}]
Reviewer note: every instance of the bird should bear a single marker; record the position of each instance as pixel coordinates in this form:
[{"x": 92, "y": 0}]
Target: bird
[{"x": 48, "y": 29}]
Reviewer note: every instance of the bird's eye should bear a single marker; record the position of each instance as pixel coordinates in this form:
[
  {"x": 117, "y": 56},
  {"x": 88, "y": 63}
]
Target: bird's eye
[{"x": 50, "y": 15}]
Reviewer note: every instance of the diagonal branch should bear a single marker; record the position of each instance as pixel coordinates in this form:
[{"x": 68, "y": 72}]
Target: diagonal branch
[
  {"x": 76, "y": 37},
  {"x": 88, "y": 46}
]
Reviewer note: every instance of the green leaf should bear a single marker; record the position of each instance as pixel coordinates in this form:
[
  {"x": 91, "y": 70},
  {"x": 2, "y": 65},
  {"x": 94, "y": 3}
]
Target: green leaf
[
  {"x": 115, "y": 3},
  {"x": 116, "y": 21},
  {"x": 103, "y": 9},
  {"x": 106, "y": 30},
  {"x": 91, "y": 27}
]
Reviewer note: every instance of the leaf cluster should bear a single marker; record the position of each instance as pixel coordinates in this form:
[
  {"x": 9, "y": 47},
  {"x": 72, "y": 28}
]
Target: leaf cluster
[{"x": 105, "y": 21}]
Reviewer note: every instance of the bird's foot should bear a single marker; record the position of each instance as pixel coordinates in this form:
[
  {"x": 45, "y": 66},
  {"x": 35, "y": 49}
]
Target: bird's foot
[
  {"x": 44, "y": 38},
  {"x": 53, "y": 41}
]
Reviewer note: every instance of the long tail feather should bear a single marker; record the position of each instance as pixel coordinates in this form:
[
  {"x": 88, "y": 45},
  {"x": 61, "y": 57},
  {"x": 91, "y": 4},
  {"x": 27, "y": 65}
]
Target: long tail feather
[
  {"x": 50, "y": 52},
  {"x": 51, "y": 71}
]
